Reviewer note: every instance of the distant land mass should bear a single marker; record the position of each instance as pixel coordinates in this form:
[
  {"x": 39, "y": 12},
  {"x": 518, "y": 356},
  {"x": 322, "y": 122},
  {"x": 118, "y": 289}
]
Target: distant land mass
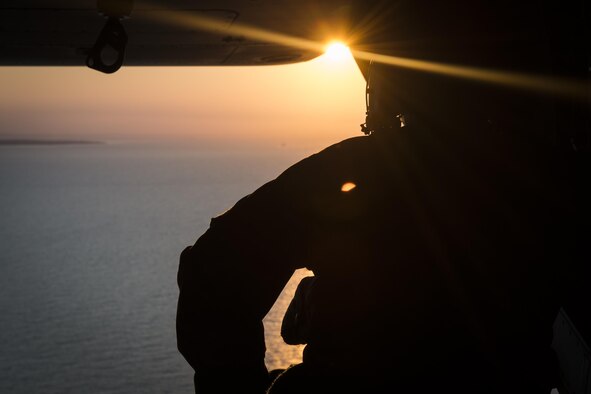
[{"x": 11, "y": 142}]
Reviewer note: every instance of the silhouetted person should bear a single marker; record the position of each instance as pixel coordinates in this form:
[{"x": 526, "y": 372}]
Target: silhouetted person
[{"x": 441, "y": 248}]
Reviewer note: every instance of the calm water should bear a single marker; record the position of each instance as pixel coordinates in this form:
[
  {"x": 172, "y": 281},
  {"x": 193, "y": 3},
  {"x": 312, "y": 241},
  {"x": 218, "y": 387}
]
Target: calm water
[{"x": 89, "y": 244}]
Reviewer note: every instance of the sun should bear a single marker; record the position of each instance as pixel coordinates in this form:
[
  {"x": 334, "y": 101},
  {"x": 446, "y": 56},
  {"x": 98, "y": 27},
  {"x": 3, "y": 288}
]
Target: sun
[{"x": 337, "y": 52}]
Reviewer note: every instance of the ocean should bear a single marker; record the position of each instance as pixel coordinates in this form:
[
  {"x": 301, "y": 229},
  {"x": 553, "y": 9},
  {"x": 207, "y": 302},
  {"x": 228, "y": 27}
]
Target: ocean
[{"x": 89, "y": 243}]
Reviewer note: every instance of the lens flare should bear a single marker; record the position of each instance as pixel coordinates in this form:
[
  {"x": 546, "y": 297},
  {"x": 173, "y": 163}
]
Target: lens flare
[
  {"x": 566, "y": 87},
  {"x": 347, "y": 187},
  {"x": 337, "y": 51}
]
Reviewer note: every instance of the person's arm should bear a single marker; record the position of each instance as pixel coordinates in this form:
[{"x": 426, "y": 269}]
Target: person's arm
[{"x": 228, "y": 282}]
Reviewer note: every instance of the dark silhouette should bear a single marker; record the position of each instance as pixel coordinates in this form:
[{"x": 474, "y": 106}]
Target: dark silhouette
[
  {"x": 445, "y": 261},
  {"x": 296, "y": 324}
]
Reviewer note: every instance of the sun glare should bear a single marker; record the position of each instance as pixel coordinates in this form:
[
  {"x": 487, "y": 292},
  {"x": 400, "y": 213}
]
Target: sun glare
[{"x": 337, "y": 52}]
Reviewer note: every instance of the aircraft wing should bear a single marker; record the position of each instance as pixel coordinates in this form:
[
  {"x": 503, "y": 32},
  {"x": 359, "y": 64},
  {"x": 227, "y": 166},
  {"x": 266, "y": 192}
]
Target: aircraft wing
[{"x": 169, "y": 33}]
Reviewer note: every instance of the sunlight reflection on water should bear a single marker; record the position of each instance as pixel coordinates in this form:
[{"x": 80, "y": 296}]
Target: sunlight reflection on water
[{"x": 279, "y": 354}]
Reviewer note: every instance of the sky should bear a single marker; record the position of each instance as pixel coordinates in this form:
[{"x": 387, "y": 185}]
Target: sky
[{"x": 310, "y": 104}]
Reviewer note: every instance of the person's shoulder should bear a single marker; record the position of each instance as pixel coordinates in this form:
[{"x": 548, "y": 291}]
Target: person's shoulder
[
  {"x": 349, "y": 143},
  {"x": 328, "y": 156},
  {"x": 299, "y": 180},
  {"x": 340, "y": 148}
]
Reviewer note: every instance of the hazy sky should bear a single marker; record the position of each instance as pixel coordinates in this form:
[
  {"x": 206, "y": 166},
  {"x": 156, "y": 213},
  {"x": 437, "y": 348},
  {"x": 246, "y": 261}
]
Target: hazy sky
[{"x": 308, "y": 104}]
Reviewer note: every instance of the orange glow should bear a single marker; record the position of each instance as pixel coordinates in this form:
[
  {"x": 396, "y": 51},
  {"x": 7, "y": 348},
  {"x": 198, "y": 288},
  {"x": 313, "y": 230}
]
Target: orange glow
[
  {"x": 347, "y": 187},
  {"x": 308, "y": 105}
]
